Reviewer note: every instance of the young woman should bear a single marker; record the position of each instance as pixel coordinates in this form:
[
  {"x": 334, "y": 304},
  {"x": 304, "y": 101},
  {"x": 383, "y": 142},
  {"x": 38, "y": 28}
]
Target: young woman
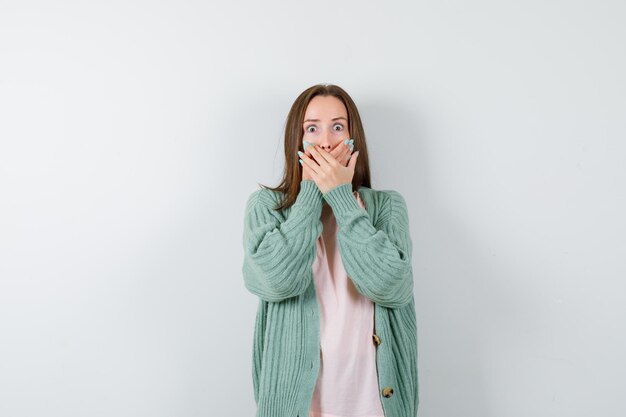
[{"x": 330, "y": 259}]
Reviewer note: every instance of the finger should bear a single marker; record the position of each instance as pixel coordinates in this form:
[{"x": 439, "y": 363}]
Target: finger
[
  {"x": 337, "y": 151},
  {"x": 309, "y": 153},
  {"x": 310, "y": 163},
  {"x": 307, "y": 149},
  {"x": 309, "y": 172},
  {"x": 352, "y": 162},
  {"x": 306, "y": 172},
  {"x": 347, "y": 159},
  {"x": 344, "y": 155},
  {"x": 322, "y": 155},
  {"x": 315, "y": 155}
]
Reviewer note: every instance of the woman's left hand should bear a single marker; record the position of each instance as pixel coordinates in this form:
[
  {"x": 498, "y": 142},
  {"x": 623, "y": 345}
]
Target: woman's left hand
[{"x": 326, "y": 170}]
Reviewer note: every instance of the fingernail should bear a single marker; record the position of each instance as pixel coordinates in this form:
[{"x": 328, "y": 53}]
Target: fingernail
[
  {"x": 300, "y": 153},
  {"x": 346, "y": 141},
  {"x": 306, "y": 143},
  {"x": 301, "y": 161}
]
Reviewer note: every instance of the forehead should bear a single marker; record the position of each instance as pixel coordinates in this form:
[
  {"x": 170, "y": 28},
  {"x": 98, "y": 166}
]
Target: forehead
[{"x": 325, "y": 108}]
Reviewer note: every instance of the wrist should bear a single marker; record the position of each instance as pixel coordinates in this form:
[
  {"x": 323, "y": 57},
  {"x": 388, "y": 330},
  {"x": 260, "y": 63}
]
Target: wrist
[
  {"x": 341, "y": 199},
  {"x": 309, "y": 194}
]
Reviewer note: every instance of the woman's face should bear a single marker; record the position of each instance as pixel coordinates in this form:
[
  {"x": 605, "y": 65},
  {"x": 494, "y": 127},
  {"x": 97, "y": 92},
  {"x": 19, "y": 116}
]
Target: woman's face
[{"x": 325, "y": 122}]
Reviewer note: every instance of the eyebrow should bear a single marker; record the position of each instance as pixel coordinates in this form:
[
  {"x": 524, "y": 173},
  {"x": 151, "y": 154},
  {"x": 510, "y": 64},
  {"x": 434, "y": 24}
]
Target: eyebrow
[{"x": 317, "y": 120}]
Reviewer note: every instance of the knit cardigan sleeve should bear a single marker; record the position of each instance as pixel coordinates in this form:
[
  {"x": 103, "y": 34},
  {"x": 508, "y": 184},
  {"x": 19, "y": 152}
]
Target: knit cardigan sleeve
[
  {"x": 278, "y": 254},
  {"x": 377, "y": 259}
]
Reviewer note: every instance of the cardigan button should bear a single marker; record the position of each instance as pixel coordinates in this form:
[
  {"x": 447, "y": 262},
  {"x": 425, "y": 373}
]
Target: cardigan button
[
  {"x": 377, "y": 340},
  {"x": 387, "y": 392}
]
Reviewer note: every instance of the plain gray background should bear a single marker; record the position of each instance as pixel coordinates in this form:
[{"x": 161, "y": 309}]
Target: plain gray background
[{"x": 132, "y": 133}]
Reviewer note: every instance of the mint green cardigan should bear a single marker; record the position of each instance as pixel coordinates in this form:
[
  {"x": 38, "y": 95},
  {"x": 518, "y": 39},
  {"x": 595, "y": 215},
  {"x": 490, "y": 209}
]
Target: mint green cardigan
[{"x": 279, "y": 249}]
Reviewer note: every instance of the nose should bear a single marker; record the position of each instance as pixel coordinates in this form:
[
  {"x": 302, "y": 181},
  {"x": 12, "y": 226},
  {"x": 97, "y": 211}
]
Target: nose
[{"x": 325, "y": 142}]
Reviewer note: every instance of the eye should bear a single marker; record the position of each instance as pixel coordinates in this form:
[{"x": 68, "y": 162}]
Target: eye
[
  {"x": 340, "y": 126},
  {"x": 308, "y": 129}
]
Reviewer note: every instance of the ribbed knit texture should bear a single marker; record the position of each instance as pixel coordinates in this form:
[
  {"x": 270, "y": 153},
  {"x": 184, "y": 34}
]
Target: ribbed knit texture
[{"x": 376, "y": 250}]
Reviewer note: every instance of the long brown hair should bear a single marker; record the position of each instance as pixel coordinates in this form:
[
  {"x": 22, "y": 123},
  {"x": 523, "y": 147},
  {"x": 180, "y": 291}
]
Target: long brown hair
[{"x": 292, "y": 175}]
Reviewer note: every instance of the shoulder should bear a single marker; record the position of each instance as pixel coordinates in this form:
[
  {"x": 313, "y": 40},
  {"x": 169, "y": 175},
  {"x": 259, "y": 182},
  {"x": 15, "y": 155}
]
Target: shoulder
[
  {"x": 263, "y": 198},
  {"x": 389, "y": 197},
  {"x": 396, "y": 200},
  {"x": 391, "y": 203}
]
